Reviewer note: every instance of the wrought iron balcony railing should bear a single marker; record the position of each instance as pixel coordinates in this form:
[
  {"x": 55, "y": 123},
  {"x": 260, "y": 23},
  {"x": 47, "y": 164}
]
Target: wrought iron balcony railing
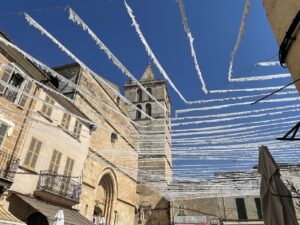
[
  {"x": 8, "y": 166},
  {"x": 59, "y": 185}
]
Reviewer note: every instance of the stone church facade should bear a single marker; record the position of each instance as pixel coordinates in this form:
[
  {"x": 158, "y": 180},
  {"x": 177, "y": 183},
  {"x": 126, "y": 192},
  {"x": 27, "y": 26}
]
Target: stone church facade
[{"x": 97, "y": 138}]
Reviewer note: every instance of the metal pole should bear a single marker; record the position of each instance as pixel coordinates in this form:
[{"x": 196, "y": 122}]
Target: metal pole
[{"x": 115, "y": 220}]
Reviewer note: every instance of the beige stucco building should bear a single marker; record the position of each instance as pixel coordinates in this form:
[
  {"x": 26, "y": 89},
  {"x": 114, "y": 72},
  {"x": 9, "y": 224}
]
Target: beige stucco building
[
  {"x": 15, "y": 105},
  {"x": 51, "y": 161},
  {"x": 46, "y": 140}
]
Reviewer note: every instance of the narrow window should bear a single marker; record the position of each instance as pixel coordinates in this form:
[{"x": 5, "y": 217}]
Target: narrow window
[
  {"x": 65, "y": 122},
  {"x": 149, "y": 109},
  {"x": 69, "y": 167},
  {"x": 113, "y": 138},
  {"x": 139, "y": 95},
  {"x": 47, "y": 106},
  {"x": 258, "y": 208},
  {"x": 138, "y": 113},
  {"x": 55, "y": 160},
  {"x": 150, "y": 92},
  {"x": 181, "y": 210},
  {"x": 118, "y": 100},
  {"x": 33, "y": 153},
  {"x": 3, "y": 131},
  {"x": 241, "y": 208},
  {"x": 24, "y": 97},
  {"x": 77, "y": 129},
  {"x": 15, "y": 82},
  {"x": 5, "y": 74}
]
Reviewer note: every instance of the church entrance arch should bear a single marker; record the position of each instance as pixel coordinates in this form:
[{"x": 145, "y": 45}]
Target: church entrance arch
[{"x": 105, "y": 195}]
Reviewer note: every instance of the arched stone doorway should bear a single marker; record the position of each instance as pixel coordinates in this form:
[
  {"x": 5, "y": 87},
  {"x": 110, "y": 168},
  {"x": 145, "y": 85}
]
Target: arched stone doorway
[
  {"x": 37, "y": 219},
  {"x": 105, "y": 198}
]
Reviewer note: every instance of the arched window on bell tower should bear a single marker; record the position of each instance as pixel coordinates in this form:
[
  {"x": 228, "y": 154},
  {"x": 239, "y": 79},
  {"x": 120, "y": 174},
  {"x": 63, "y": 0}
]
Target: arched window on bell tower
[
  {"x": 149, "y": 109},
  {"x": 139, "y": 95},
  {"x": 138, "y": 113},
  {"x": 150, "y": 92}
]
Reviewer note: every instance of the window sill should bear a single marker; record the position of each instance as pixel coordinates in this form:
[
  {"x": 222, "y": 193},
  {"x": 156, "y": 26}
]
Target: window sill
[
  {"x": 46, "y": 117},
  {"x": 28, "y": 169},
  {"x": 69, "y": 133},
  {"x": 20, "y": 107}
]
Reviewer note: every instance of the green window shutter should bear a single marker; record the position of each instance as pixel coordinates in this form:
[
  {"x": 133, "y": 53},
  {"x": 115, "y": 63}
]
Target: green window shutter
[
  {"x": 36, "y": 153},
  {"x": 258, "y": 208},
  {"x": 241, "y": 208},
  {"x": 55, "y": 160},
  {"x": 30, "y": 152},
  {"x": 33, "y": 153}
]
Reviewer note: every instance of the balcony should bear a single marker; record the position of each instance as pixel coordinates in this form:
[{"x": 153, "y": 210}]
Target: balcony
[
  {"x": 8, "y": 168},
  {"x": 58, "y": 189}
]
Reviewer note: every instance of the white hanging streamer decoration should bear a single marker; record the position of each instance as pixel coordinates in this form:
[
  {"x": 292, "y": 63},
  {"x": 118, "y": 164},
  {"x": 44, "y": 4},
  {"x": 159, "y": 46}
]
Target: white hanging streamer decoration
[
  {"x": 180, "y": 111},
  {"x": 236, "y": 48},
  {"x": 191, "y": 42},
  {"x": 234, "y": 118},
  {"x": 215, "y": 130},
  {"x": 44, "y": 67},
  {"x": 239, "y": 38},
  {"x": 267, "y": 64},
  {"x": 239, "y": 97},
  {"x": 250, "y": 89},
  {"x": 264, "y": 77},
  {"x": 241, "y": 139},
  {"x": 232, "y": 136},
  {"x": 150, "y": 52},
  {"x": 220, "y": 128},
  {"x": 162, "y": 71},
  {"x": 212, "y": 192},
  {"x": 36, "y": 98},
  {"x": 33, "y": 23},
  {"x": 237, "y": 113},
  {"x": 77, "y": 20}
]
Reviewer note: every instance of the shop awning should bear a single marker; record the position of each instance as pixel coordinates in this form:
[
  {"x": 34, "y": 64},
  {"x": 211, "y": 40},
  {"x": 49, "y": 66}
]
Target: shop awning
[
  {"x": 72, "y": 217},
  {"x": 6, "y": 218}
]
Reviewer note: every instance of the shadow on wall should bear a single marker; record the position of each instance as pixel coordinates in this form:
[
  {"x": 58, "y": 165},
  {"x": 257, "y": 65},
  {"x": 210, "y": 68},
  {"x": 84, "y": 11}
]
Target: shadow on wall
[{"x": 158, "y": 215}]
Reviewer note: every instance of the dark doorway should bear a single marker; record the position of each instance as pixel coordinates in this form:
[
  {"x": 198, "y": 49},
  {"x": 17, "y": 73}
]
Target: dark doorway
[{"x": 37, "y": 219}]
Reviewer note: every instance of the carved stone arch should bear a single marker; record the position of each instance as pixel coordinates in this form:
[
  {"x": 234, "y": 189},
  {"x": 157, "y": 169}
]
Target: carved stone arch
[
  {"x": 112, "y": 174},
  {"x": 106, "y": 194}
]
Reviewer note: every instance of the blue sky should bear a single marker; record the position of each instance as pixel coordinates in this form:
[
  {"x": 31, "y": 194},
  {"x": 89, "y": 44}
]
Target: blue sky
[{"x": 214, "y": 24}]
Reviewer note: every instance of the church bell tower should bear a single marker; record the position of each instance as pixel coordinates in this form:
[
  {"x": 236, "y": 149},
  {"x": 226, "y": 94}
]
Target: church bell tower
[
  {"x": 155, "y": 157},
  {"x": 155, "y": 141}
]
